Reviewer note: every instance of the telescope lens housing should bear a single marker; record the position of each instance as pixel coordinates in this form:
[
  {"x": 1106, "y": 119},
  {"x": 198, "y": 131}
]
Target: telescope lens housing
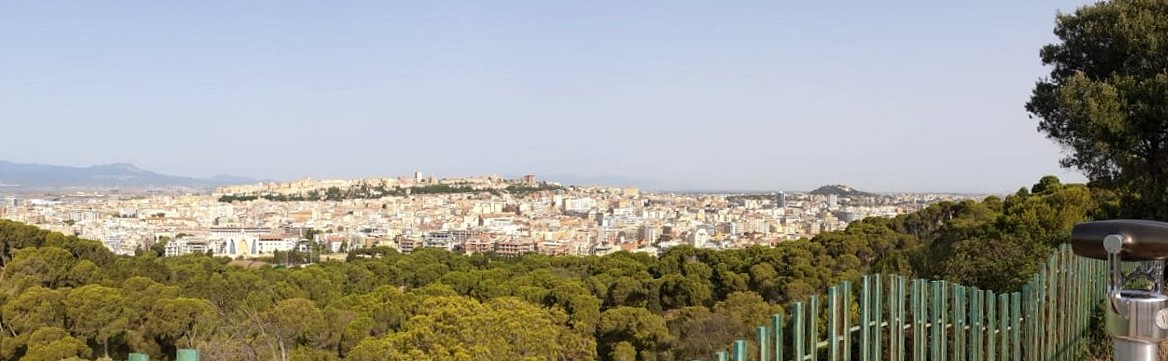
[
  {"x": 1137, "y": 319},
  {"x": 1142, "y": 240}
]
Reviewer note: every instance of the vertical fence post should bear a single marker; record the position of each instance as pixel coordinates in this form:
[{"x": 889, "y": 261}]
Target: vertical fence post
[
  {"x": 740, "y": 350},
  {"x": 937, "y": 321},
  {"x": 1050, "y": 325},
  {"x": 865, "y": 317},
  {"x": 186, "y": 354},
  {"x": 944, "y": 319},
  {"x": 833, "y": 316},
  {"x": 761, "y": 334},
  {"x": 976, "y": 331},
  {"x": 898, "y": 307},
  {"x": 1005, "y": 325},
  {"x": 917, "y": 302},
  {"x": 1083, "y": 301},
  {"x": 889, "y": 302},
  {"x": 991, "y": 326},
  {"x": 877, "y": 340},
  {"x": 777, "y": 325},
  {"x": 846, "y": 327},
  {"x": 1066, "y": 321},
  {"x": 1031, "y": 315},
  {"x": 1016, "y": 326},
  {"x": 798, "y": 318},
  {"x": 958, "y": 322},
  {"x": 813, "y": 330}
]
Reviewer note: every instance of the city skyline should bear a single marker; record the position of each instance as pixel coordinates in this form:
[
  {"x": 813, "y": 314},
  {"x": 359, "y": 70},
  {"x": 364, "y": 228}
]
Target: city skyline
[
  {"x": 683, "y": 95},
  {"x": 148, "y": 179}
]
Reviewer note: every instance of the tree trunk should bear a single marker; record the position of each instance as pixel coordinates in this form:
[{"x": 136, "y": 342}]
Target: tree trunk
[{"x": 283, "y": 351}]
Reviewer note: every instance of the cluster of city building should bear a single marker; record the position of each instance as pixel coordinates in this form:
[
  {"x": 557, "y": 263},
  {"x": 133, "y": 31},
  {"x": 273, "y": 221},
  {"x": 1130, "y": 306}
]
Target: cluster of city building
[{"x": 548, "y": 219}]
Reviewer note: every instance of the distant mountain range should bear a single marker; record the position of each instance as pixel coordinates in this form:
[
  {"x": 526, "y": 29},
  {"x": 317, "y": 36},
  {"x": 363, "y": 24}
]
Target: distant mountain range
[{"x": 106, "y": 175}]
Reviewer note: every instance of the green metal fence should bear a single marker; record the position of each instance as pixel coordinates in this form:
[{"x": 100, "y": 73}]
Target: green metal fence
[{"x": 893, "y": 318}]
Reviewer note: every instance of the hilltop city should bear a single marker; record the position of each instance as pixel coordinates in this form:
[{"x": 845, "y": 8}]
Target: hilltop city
[{"x": 487, "y": 214}]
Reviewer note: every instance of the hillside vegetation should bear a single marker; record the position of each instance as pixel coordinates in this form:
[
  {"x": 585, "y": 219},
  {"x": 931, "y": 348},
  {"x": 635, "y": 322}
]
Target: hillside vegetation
[{"x": 66, "y": 297}]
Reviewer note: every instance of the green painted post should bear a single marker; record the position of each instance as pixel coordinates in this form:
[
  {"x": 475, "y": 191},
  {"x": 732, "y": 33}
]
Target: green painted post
[
  {"x": 943, "y": 318},
  {"x": 777, "y": 325},
  {"x": 1016, "y": 326},
  {"x": 1050, "y": 324},
  {"x": 1068, "y": 309},
  {"x": 960, "y": 302},
  {"x": 890, "y": 302},
  {"x": 1072, "y": 306},
  {"x": 139, "y": 357},
  {"x": 898, "y": 298},
  {"x": 1030, "y": 313},
  {"x": 723, "y": 356},
  {"x": 973, "y": 326},
  {"x": 846, "y": 301},
  {"x": 877, "y": 340},
  {"x": 740, "y": 350},
  {"x": 972, "y": 337},
  {"x": 1039, "y": 326},
  {"x": 1071, "y": 342},
  {"x": 1027, "y": 317},
  {"x": 1071, "y": 324},
  {"x": 1064, "y": 314},
  {"x": 1004, "y": 326},
  {"x": 935, "y": 325},
  {"x": 187, "y": 354},
  {"x": 918, "y": 320},
  {"x": 833, "y": 316},
  {"x": 1076, "y": 290},
  {"x": 1049, "y": 327},
  {"x": 798, "y": 318},
  {"x": 925, "y": 317},
  {"x": 761, "y": 333},
  {"x": 865, "y": 317},
  {"x": 1073, "y": 309},
  {"x": 993, "y": 327},
  {"x": 1056, "y": 297},
  {"x": 1059, "y": 311},
  {"x": 988, "y": 306},
  {"x": 813, "y": 330},
  {"x": 1085, "y": 299}
]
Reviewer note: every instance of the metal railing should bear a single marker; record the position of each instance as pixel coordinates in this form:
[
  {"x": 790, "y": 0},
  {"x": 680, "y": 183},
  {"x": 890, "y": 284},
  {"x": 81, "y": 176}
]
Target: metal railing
[{"x": 894, "y": 318}]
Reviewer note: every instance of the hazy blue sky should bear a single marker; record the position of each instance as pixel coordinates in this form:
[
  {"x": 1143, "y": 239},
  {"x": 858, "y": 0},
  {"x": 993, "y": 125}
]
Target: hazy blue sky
[{"x": 880, "y": 95}]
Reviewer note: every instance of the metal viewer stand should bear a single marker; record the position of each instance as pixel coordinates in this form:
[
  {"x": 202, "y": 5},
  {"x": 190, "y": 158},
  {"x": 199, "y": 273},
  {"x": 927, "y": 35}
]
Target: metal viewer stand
[{"x": 1137, "y": 318}]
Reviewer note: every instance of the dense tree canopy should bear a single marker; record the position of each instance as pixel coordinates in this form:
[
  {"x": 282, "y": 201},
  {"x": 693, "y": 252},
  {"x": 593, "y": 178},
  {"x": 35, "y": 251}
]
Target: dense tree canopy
[
  {"x": 1106, "y": 100},
  {"x": 64, "y": 297}
]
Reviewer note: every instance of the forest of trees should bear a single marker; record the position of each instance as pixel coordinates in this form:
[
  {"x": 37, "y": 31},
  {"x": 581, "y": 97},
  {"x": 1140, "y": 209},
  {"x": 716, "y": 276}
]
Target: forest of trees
[
  {"x": 1105, "y": 102},
  {"x": 63, "y": 297}
]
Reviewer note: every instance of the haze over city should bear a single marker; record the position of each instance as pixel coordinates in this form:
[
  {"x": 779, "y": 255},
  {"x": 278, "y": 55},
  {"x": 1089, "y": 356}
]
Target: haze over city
[{"x": 889, "y": 96}]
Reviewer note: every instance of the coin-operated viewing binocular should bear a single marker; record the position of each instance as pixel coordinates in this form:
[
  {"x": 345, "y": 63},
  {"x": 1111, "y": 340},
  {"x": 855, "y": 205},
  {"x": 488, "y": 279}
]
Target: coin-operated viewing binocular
[{"x": 1137, "y": 318}]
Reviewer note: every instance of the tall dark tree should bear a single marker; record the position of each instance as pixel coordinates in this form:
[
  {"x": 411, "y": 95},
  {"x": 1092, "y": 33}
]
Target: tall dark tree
[{"x": 1106, "y": 99}]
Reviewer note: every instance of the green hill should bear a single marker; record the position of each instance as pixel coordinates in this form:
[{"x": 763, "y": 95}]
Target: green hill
[{"x": 841, "y": 190}]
